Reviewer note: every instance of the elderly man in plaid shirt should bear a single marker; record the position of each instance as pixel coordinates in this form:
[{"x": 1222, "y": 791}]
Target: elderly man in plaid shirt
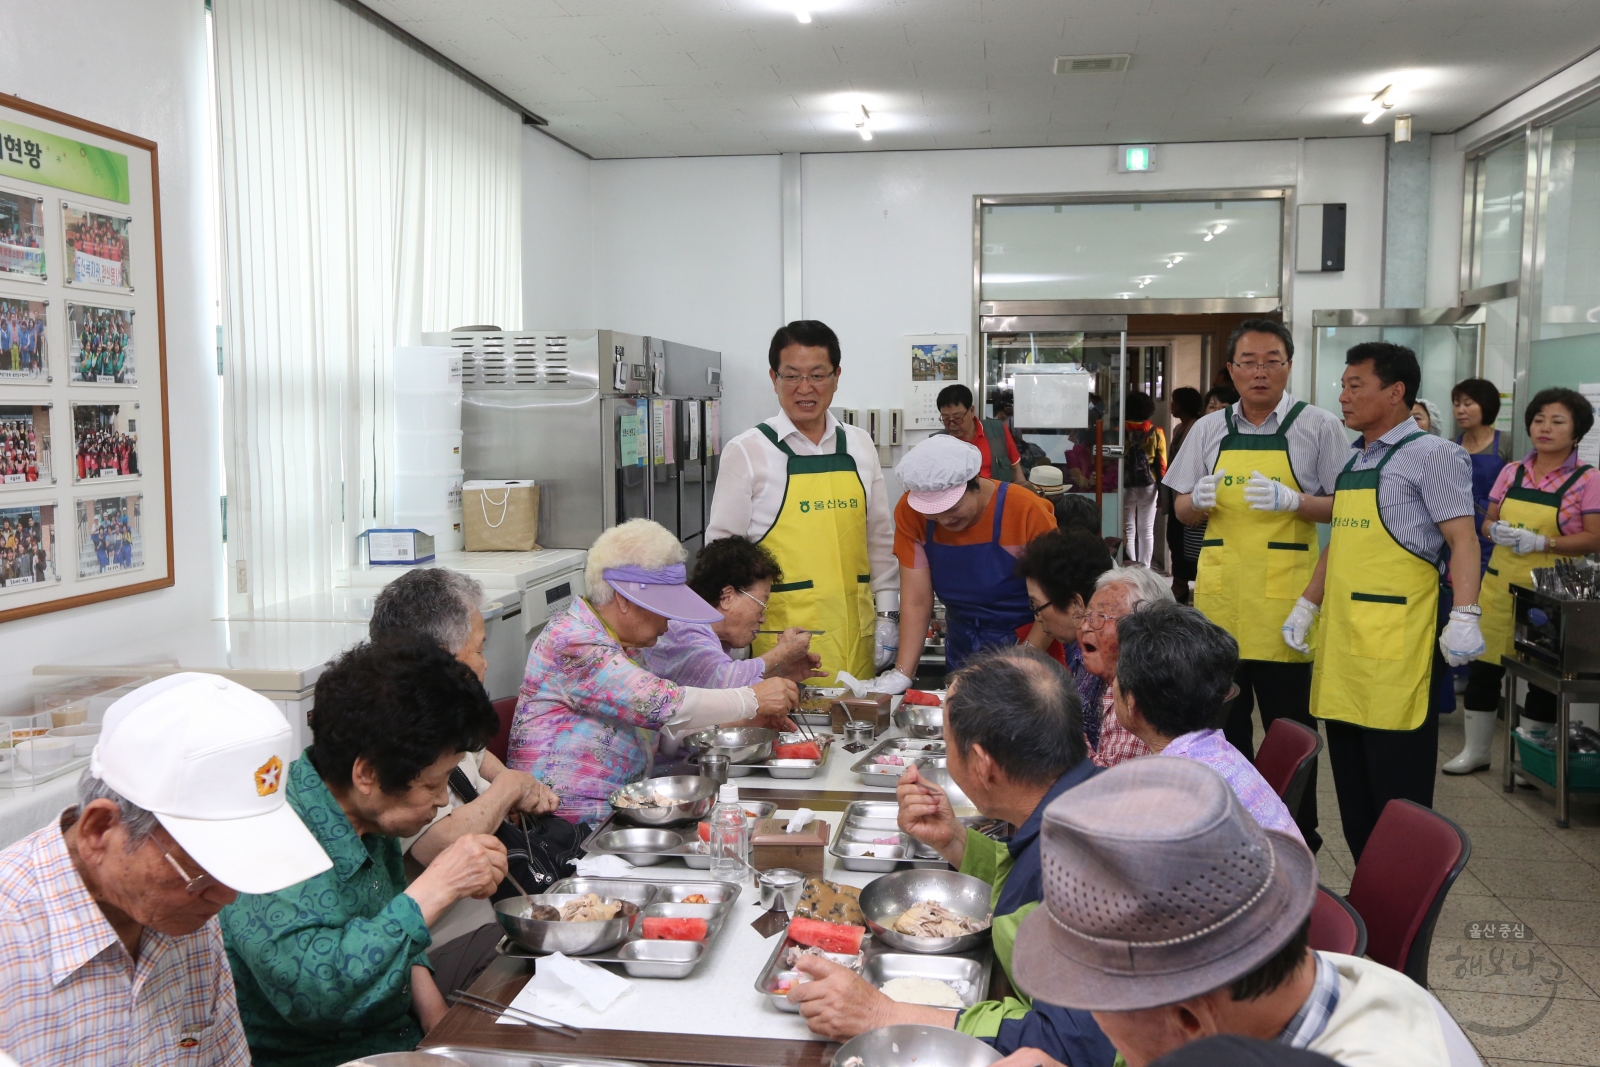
[{"x": 108, "y": 935}]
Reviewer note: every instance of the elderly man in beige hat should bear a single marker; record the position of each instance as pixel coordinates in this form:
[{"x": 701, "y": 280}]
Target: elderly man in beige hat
[
  {"x": 1171, "y": 915},
  {"x": 110, "y": 946}
]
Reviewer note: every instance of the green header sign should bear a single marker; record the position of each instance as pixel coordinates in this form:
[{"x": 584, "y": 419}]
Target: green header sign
[{"x": 63, "y": 163}]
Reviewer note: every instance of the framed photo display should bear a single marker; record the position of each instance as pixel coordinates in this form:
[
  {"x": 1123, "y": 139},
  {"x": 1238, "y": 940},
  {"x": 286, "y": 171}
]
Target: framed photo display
[{"x": 85, "y": 467}]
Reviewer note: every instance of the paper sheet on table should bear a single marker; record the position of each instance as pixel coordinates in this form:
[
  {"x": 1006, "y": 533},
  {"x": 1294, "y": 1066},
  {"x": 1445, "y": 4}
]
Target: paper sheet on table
[
  {"x": 603, "y": 865},
  {"x": 560, "y": 985}
]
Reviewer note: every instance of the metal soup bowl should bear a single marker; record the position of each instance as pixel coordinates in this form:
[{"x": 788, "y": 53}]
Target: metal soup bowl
[
  {"x": 741, "y": 744},
  {"x": 642, "y": 848},
  {"x": 907, "y": 1043},
  {"x": 884, "y": 899},
  {"x": 694, "y": 795},
  {"x": 920, "y": 720},
  {"x": 573, "y": 939}
]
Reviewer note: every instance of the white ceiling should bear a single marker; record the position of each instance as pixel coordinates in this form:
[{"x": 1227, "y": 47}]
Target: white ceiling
[{"x": 625, "y": 78}]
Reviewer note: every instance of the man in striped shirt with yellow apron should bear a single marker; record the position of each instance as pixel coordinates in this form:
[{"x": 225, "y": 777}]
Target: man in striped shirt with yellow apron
[{"x": 1404, "y": 498}]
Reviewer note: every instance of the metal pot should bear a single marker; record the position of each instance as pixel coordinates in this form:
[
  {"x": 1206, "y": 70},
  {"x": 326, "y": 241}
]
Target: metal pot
[
  {"x": 741, "y": 744},
  {"x": 694, "y": 795},
  {"x": 572, "y": 939},
  {"x": 884, "y": 899}
]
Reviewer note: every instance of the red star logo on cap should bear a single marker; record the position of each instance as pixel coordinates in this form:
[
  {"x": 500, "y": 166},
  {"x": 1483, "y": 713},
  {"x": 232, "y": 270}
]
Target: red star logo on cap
[{"x": 268, "y": 777}]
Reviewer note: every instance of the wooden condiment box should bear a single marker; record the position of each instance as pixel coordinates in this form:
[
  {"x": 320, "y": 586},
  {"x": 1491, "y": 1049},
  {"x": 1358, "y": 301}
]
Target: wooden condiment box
[
  {"x": 874, "y": 707},
  {"x": 770, "y": 847}
]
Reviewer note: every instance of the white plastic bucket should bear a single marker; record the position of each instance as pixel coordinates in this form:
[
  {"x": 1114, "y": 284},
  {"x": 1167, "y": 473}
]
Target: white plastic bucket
[
  {"x": 428, "y": 494},
  {"x": 427, "y": 412},
  {"x": 427, "y": 453},
  {"x": 445, "y": 528}
]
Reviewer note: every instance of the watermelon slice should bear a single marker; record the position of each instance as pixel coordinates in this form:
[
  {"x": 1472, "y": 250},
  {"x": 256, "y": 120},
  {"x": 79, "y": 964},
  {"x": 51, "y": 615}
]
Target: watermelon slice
[
  {"x": 798, "y": 750},
  {"x": 830, "y": 937},
  {"x": 917, "y": 696},
  {"x": 673, "y": 929},
  {"x": 705, "y": 832}
]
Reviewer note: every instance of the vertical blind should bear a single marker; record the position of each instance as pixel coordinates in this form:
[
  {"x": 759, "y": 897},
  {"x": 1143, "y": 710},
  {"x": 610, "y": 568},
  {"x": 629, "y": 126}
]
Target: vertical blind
[{"x": 369, "y": 194}]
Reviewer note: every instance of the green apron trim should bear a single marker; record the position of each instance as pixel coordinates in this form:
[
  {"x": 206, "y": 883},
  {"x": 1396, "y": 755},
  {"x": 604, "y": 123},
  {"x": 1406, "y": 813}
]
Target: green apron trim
[
  {"x": 789, "y": 587},
  {"x": 1378, "y": 598},
  {"x": 1289, "y": 546}
]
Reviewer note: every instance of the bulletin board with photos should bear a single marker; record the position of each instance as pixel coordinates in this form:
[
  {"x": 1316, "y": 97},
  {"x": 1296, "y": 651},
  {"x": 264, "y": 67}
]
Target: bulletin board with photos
[{"x": 85, "y": 507}]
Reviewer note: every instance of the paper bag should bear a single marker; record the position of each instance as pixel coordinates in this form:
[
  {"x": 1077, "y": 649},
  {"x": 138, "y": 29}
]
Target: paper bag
[{"x": 500, "y": 516}]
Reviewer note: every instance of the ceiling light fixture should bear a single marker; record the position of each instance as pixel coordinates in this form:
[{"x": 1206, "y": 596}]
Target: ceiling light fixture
[
  {"x": 802, "y": 17},
  {"x": 1380, "y": 103},
  {"x": 1402, "y": 129},
  {"x": 861, "y": 123},
  {"x": 1174, "y": 261},
  {"x": 1218, "y": 228}
]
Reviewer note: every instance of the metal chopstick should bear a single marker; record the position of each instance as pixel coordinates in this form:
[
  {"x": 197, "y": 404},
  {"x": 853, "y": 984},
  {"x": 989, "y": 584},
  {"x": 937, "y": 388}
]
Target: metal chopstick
[{"x": 495, "y": 1008}]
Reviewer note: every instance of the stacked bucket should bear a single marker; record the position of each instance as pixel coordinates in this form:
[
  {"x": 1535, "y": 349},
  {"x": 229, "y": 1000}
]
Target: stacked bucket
[{"x": 427, "y": 443}]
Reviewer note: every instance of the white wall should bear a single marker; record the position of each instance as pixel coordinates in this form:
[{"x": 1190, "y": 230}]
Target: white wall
[
  {"x": 53, "y": 53},
  {"x": 557, "y": 236},
  {"x": 691, "y": 250}
]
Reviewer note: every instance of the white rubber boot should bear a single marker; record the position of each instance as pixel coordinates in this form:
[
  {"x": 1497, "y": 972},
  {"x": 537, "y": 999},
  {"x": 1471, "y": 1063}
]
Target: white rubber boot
[{"x": 1480, "y": 736}]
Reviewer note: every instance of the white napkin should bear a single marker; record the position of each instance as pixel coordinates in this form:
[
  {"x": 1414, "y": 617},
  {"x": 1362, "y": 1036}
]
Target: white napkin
[
  {"x": 854, "y": 684},
  {"x": 799, "y": 820},
  {"x": 603, "y": 865},
  {"x": 562, "y": 982}
]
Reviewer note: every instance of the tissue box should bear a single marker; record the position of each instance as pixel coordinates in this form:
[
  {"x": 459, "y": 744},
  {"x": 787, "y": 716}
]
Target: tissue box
[
  {"x": 770, "y": 847},
  {"x": 874, "y": 707}
]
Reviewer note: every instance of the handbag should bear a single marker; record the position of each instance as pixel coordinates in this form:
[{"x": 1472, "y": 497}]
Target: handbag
[
  {"x": 540, "y": 849},
  {"x": 500, "y": 516}
]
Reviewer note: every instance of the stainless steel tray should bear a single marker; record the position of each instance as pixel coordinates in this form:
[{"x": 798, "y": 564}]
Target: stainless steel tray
[
  {"x": 879, "y": 963},
  {"x": 925, "y": 752},
  {"x": 864, "y": 821},
  {"x": 453, "y": 1055},
  {"x": 700, "y": 861},
  {"x": 651, "y": 959}
]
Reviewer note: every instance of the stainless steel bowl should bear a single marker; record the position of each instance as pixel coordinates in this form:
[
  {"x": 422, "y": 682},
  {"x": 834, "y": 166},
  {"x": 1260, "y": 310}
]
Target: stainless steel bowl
[
  {"x": 694, "y": 795},
  {"x": 741, "y": 744},
  {"x": 884, "y": 899},
  {"x": 939, "y": 774},
  {"x": 643, "y": 848},
  {"x": 925, "y": 1046},
  {"x": 573, "y": 939},
  {"x": 920, "y": 720}
]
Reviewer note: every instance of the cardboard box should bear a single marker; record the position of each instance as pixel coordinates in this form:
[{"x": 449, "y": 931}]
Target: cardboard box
[
  {"x": 874, "y": 707},
  {"x": 804, "y": 851}
]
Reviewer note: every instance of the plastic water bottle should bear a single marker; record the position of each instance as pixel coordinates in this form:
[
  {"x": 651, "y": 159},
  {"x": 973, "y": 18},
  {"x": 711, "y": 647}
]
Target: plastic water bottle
[{"x": 730, "y": 838}]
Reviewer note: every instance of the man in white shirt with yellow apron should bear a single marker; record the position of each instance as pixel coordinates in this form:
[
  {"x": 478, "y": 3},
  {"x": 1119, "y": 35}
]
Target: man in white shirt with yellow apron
[
  {"x": 1404, "y": 498},
  {"x": 811, "y": 490},
  {"x": 1261, "y": 474}
]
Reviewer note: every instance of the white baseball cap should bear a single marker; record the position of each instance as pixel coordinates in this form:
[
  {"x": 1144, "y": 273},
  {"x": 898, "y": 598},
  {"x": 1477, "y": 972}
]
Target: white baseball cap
[
  {"x": 936, "y": 472},
  {"x": 210, "y": 759}
]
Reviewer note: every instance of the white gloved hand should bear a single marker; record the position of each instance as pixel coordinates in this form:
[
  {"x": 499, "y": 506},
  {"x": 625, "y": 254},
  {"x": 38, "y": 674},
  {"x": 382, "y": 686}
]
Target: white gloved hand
[
  {"x": 886, "y": 642},
  {"x": 1297, "y": 627},
  {"x": 1264, "y": 494},
  {"x": 892, "y": 681},
  {"x": 1204, "y": 495},
  {"x": 1462, "y": 639},
  {"x": 1519, "y": 540}
]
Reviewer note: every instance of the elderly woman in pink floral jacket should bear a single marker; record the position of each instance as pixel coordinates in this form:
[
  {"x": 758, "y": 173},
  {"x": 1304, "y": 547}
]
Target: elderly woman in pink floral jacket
[{"x": 589, "y": 713}]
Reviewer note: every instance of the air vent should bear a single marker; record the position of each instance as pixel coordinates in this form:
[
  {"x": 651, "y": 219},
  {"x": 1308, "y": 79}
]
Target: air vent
[
  {"x": 532, "y": 359},
  {"x": 1107, "y": 64}
]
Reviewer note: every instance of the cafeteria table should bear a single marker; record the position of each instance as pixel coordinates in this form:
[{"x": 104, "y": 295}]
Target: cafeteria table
[{"x": 714, "y": 1018}]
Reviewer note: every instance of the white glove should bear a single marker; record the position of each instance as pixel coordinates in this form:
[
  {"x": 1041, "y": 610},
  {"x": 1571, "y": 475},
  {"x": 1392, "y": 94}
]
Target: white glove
[
  {"x": 1264, "y": 494},
  {"x": 1297, "y": 627},
  {"x": 1204, "y": 495},
  {"x": 886, "y": 642},
  {"x": 1520, "y": 541},
  {"x": 891, "y": 681},
  {"x": 1462, "y": 639}
]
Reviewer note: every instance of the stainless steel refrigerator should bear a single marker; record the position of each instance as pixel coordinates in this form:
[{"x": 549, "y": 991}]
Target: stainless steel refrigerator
[{"x": 612, "y": 426}]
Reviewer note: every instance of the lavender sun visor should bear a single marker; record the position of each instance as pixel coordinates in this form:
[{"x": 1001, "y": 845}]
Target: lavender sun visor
[{"x": 662, "y": 591}]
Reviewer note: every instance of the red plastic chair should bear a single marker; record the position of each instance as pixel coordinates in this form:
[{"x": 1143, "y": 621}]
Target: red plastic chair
[
  {"x": 1336, "y": 926},
  {"x": 1411, "y": 860},
  {"x": 502, "y": 739},
  {"x": 1285, "y": 759}
]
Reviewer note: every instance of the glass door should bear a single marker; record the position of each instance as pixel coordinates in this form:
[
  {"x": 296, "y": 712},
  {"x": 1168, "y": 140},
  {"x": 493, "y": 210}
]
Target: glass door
[
  {"x": 1449, "y": 344},
  {"x": 1068, "y": 390}
]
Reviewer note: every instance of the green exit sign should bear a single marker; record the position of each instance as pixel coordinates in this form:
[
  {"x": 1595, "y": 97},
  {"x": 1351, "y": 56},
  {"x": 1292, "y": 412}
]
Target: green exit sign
[{"x": 1136, "y": 158}]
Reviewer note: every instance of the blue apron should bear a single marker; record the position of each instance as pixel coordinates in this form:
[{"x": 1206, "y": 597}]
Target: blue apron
[
  {"x": 1486, "y": 467},
  {"x": 984, "y": 600}
]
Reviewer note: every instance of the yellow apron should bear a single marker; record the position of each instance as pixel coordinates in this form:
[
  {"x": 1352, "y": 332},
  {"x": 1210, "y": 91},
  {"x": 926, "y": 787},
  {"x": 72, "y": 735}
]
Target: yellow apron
[
  {"x": 1230, "y": 584},
  {"x": 1529, "y": 509},
  {"x": 820, "y": 541},
  {"x": 1380, "y": 607}
]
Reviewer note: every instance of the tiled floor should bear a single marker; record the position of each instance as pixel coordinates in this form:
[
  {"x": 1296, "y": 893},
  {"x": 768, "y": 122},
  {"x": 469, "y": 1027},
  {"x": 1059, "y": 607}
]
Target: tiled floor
[{"x": 1530, "y": 1001}]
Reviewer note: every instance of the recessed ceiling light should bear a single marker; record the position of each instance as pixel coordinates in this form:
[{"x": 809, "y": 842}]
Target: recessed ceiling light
[
  {"x": 802, "y": 16},
  {"x": 1111, "y": 63}
]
